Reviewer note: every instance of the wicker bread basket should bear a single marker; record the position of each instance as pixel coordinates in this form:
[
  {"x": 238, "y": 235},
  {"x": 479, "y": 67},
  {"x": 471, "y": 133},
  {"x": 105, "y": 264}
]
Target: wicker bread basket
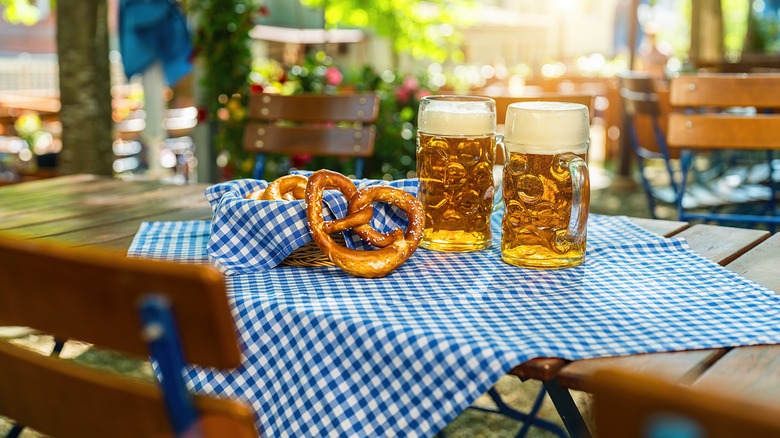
[{"x": 311, "y": 255}]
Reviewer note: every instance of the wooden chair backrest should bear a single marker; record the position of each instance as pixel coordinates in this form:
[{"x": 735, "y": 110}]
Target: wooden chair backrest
[
  {"x": 503, "y": 102},
  {"x": 638, "y": 94},
  {"x": 645, "y": 104},
  {"x": 705, "y": 126},
  {"x": 630, "y": 405},
  {"x": 93, "y": 296},
  {"x": 317, "y": 124}
]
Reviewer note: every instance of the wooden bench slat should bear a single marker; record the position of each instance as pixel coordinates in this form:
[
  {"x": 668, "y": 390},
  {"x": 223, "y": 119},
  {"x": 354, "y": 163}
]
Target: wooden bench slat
[
  {"x": 761, "y": 264},
  {"x": 749, "y": 372},
  {"x": 722, "y": 244},
  {"x": 678, "y": 366}
]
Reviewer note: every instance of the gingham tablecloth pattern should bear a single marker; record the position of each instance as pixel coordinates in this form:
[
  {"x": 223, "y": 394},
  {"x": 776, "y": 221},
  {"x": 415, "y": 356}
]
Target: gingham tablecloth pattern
[
  {"x": 334, "y": 355},
  {"x": 248, "y": 235}
]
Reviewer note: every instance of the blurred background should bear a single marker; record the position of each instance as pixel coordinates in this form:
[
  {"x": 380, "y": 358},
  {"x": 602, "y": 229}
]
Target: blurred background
[{"x": 159, "y": 89}]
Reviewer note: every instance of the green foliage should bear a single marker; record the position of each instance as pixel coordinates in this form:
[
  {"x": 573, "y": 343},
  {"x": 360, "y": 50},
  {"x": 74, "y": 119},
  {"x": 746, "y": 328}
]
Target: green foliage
[
  {"x": 735, "y": 13},
  {"x": 423, "y": 29},
  {"x": 20, "y": 12},
  {"x": 763, "y": 34},
  {"x": 222, "y": 45}
]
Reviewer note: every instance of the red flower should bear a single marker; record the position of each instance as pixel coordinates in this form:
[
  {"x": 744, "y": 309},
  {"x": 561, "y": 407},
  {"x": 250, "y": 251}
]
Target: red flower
[
  {"x": 300, "y": 160},
  {"x": 255, "y": 88},
  {"x": 203, "y": 114},
  {"x": 193, "y": 54},
  {"x": 263, "y": 11}
]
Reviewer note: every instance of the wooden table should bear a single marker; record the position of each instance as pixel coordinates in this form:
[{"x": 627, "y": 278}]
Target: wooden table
[
  {"x": 85, "y": 210},
  {"x": 13, "y": 105}
]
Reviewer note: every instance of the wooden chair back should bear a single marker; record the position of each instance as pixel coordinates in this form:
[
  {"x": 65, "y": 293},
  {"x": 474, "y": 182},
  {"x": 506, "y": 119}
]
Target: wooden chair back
[
  {"x": 632, "y": 405},
  {"x": 93, "y": 296},
  {"x": 503, "y": 102},
  {"x": 317, "y": 124},
  {"x": 711, "y": 121},
  {"x": 647, "y": 108}
]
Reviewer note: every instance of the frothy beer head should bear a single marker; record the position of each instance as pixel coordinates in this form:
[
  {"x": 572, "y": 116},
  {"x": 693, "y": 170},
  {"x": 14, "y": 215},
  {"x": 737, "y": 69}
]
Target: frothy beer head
[
  {"x": 457, "y": 116},
  {"x": 547, "y": 128}
]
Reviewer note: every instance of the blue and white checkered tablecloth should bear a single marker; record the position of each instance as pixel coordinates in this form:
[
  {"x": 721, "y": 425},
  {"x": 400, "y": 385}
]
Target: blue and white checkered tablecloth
[{"x": 331, "y": 354}]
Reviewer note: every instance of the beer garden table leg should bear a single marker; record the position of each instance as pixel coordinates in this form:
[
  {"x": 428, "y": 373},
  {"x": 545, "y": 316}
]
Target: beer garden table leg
[{"x": 567, "y": 409}]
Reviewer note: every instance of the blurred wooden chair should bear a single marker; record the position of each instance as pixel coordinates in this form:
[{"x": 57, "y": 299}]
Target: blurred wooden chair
[
  {"x": 727, "y": 112},
  {"x": 646, "y": 110},
  {"x": 177, "y": 314},
  {"x": 317, "y": 124},
  {"x": 632, "y": 405}
]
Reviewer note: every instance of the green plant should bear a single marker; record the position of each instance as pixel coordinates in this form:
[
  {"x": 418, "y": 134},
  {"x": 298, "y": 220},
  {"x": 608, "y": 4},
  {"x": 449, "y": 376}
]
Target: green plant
[
  {"x": 222, "y": 46},
  {"x": 421, "y": 28},
  {"x": 20, "y": 12}
]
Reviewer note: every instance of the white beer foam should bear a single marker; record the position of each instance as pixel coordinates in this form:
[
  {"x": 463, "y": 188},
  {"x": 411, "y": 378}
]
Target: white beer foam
[
  {"x": 547, "y": 128},
  {"x": 456, "y": 121}
]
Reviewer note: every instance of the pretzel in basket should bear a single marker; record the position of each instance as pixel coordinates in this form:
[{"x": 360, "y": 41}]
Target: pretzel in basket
[
  {"x": 395, "y": 247},
  {"x": 285, "y": 188}
]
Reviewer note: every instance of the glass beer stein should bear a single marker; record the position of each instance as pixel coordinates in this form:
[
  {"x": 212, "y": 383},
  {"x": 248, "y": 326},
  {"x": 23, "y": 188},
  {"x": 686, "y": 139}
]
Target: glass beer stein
[
  {"x": 456, "y": 143},
  {"x": 546, "y": 187}
]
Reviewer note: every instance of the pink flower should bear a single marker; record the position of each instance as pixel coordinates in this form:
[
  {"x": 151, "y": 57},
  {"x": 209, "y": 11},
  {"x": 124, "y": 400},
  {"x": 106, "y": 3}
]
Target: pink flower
[
  {"x": 333, "y": 76},
  {"x": 411, "y": 83}
]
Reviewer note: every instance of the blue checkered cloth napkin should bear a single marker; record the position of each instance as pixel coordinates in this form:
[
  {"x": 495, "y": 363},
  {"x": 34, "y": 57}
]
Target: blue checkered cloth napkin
[
  {"x": 248, "y": 235},
  {"x": 329, "y": 354}
]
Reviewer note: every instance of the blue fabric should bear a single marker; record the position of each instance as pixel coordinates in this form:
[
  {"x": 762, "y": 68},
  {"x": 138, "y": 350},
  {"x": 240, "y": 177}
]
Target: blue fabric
[
  {"x": 154, "y": 30},
  {"x": 328, "y": 354},
  {"x": 249, "y": 235}
]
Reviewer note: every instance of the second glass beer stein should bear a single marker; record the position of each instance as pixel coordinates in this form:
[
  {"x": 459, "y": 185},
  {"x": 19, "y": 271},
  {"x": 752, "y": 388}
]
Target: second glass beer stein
[
  {"x": 455, "y": 154},
  {"x": 546, "y": 185}
]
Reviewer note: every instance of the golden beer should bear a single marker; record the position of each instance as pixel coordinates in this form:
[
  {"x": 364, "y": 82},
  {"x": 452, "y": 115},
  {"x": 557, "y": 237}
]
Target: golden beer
[
  {"x": 455, "y": 155},
  {"x": 456, "y": 191},
  {"x": 538, "y": 206},
  {"x": 546, "y": 188}
]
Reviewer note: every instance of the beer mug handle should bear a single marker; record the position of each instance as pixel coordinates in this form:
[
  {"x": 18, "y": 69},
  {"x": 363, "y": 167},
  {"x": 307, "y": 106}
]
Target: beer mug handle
[
  {"x": 498, "y": 171},
  {"x": 580, "y": 202}
]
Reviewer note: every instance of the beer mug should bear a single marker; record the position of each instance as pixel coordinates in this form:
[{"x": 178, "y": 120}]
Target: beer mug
[
  {"x": 456, "y": 141},
  {"x": 546, "y": 186}
]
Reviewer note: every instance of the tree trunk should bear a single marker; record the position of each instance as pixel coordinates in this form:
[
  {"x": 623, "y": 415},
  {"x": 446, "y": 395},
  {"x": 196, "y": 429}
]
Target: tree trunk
[
  {"x": 706, "y": 33},
  {"x": 85, "y": 87}
]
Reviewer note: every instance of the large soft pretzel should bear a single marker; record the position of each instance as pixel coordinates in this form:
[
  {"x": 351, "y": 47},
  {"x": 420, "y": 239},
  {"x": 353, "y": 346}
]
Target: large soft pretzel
[
  {"x": 397, "y": 246},
  {"x": 285, "y": 188}
]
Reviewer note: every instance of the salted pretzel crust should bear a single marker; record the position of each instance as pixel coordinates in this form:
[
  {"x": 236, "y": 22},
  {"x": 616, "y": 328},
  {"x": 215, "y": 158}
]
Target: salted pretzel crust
[
  {"x": 285, "y": 188},
  {"x": 395, "y": 247}
]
